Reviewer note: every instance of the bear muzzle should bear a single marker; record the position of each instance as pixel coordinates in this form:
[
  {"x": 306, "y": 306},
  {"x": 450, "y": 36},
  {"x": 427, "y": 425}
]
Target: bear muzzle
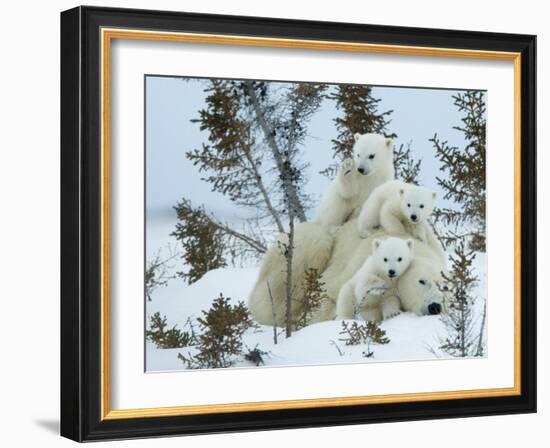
[{"x": 434, "y": 308}]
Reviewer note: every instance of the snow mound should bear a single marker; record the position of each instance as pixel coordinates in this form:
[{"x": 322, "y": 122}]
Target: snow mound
[
  {"x": 411, "y": 337},
  {"x": 179, "y": 301}
]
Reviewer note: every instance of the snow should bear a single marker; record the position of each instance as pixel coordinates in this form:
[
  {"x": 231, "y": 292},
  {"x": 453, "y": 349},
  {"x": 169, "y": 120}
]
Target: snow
[
  {"x": 411, "y": 337},
  {"x": 179, "y": 301}
]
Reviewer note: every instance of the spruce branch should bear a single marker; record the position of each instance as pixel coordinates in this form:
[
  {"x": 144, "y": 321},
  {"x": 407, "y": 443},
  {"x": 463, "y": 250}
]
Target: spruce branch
[
  {"x": 164, "y": 337},
  {"x": 360, "y": 114},
  {"x": 465, "y": 180}
]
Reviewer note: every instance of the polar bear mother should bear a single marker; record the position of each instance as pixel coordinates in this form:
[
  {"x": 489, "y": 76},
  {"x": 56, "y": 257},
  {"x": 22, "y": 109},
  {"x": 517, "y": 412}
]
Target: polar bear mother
[
  {"x": 370, "y": 166},
  {"x": 339, "y": 257}
]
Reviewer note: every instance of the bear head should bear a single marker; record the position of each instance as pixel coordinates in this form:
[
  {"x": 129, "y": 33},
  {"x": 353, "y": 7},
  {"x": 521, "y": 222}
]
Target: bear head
[
  {"x": 371, "y": 152},
  {"x": 392, "y": 256},
  {"x": 417, "y": 203},
  {"x": 422, "y": 288}
]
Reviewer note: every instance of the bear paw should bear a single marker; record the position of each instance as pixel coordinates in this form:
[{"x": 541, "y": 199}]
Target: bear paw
[
  {"x": 391, "y": 314},
  {"x": 364, "y": 233},
  {"x": 347, "y": 167}
]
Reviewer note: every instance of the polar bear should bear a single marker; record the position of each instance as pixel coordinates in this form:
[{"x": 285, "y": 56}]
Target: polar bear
[
  {"x": 350, "y": 252},
  {"x": 312, "y": 249},
  {"x": 421, "y": 289},
  {"x": 338, "y": 257},
  {"x": 366, "y": 290},
  {"x": 400, "y": 208},
  {"x": 371, "y": 166}
]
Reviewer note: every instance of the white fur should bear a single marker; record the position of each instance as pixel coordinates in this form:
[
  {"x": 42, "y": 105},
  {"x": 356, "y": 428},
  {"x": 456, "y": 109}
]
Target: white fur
[
  {"x": 364, "y": 292},
  {"x": 312, "y": 249},
  {"x": 339, "y": 258},
  {"x": 350, "y": 252},
  {"x": 371, "y": 166},
  {"x": 400, "y": 209}
]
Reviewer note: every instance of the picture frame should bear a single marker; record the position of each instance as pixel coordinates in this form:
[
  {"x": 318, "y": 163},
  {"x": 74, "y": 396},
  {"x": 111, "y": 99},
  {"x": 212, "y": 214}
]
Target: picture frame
[{"x": 86, "y": 278}]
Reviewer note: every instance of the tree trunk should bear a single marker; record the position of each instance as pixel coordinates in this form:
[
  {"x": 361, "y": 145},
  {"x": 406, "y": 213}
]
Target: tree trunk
[
  {"x": 290, "y": 191},
  {"x": 289, "y": 252}
]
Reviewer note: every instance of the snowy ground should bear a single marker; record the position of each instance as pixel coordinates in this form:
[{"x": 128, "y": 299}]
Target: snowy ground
[{"x": 411, "y": 337}]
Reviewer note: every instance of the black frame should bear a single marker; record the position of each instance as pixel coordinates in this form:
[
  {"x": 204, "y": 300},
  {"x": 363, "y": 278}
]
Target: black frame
[{"x": 80, "y": 223}]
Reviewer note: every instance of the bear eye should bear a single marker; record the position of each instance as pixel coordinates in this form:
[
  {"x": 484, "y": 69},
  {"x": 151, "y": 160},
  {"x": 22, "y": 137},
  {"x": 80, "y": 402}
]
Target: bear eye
[
  {"x": 421, "y": 205},
  {"x": 385, "y": 260},
  {"x": 400, "y": 259},
  {"x": 408, "y": 205},
  {"x": 371, "y": 156},
  {"x": 422, "y": 282}
]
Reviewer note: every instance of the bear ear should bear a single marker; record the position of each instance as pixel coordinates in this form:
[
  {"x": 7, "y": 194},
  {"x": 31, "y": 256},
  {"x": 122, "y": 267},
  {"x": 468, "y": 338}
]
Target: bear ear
[
  {"x": 356, "y": 136},
  {"x": 389, "y": 143},
  {"x": 401, "y": 191},
  {"x": 410, "y": 244},
  {"x": 376, "y": 243}
]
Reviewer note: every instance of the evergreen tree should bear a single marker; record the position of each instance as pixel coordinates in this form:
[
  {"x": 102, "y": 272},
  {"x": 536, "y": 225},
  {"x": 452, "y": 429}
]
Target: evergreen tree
[
  {"x": 360, "y": 114},
  {"x": 254, "y": 129},
  {"x": 463, "y": 336},
  {"x": 255, "y": 132},
  {"x": 302, "y": 101},
  {"x": 232, "y": 158},
  {"x": 253, "y": 156},
  {"x": 465, "y": 169},
  {"x": 219, "y": 342},
  {"x": 365, "y": 333},
  {"x": 281, "y": 116},
  {"x": 201, "y": 240},
  {"x": 314, "y": 296}
]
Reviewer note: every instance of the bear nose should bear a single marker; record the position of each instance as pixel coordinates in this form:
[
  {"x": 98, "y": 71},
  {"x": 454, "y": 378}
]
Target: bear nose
[
  {"x": 414, "y": 218},
  {"x": 434, "y": 308},
  {"x": 391, "y": 273},
  {"x": 361, "y": 170}
]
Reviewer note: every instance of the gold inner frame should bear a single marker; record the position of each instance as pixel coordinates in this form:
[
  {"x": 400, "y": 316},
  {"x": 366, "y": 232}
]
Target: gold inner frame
[{"x": 107, "y": 35}]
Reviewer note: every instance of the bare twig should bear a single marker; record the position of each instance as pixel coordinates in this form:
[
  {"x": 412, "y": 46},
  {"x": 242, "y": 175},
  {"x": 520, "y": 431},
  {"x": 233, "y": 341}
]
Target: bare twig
[
  {"x": 263, "y": 190},
  {"x": 254, "y": 244},
  {"x": 274, "y": 316},
  {"x": 479, "y": 350},
  {"x": 156, "y": 273},
  {"x": 340, "y": 352}
]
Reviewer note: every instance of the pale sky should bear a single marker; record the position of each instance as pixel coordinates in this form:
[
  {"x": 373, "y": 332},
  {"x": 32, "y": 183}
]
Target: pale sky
[{"x": 171, "y": 103}]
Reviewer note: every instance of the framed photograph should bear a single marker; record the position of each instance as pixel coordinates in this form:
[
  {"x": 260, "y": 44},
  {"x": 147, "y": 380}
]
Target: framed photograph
[{"x": 273, "y": 224}]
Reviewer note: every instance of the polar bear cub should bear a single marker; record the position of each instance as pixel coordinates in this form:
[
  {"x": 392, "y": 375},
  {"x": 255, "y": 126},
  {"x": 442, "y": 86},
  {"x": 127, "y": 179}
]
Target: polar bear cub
[
  {"x": 371, "y": 166},
  {"x": 397, "y": 207},
  {"x": 401, "y": 208},
  {"x": 365, "y": 291}
]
